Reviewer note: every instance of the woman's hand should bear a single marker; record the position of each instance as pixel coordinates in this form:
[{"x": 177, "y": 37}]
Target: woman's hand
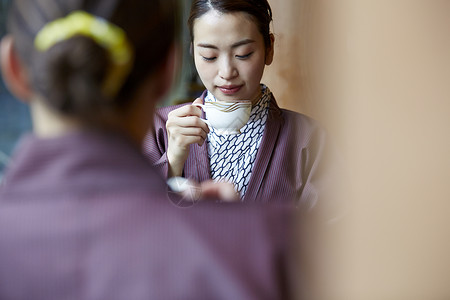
[
  {"x": 184, "y": 128},
  {"x": 209, "y": 189},
  {"x": 223, "y": 191}
]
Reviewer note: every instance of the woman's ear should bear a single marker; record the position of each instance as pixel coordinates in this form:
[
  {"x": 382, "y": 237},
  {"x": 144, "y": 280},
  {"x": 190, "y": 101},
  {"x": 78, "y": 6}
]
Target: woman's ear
[
  {"x": 13, "y": 71},
  {"x": 270, "y": 50}
]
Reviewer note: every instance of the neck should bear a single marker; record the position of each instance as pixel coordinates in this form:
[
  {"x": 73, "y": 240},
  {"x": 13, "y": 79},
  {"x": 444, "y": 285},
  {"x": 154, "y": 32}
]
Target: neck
[
  {"x": 48, "y": 123},
  {"x": 133, "y": 121},
  {"x": 256, "y": 98}
]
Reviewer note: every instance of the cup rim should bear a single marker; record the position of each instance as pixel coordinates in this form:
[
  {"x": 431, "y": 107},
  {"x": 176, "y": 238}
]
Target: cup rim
[{"x": 230, "y": 101}]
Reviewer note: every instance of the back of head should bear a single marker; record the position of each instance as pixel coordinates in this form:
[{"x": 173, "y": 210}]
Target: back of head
[{"x": 70, "y": 74}]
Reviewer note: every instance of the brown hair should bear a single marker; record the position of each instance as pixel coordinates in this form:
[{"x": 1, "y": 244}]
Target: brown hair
[
  {"x": 258, "y": 10},
  {"x": 69, "y": 75}
]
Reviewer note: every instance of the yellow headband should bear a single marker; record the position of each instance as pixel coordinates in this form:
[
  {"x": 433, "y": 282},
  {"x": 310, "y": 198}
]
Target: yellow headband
[{"x": 108, "y": 35}]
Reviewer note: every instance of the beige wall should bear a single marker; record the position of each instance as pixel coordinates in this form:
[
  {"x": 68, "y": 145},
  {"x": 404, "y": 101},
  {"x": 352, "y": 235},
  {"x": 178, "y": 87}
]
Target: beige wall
[
  {"x": 284, "y": 76},
  {"x": 397, "y": 95},
  {"x": 378, "y": 74},
  {"x": 311, "y": 41}
]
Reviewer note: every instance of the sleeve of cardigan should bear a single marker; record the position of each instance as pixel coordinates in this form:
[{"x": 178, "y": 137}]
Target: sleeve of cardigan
[
  {"x": 155, "y": 142},
  {"x": 324, "y": 189}
]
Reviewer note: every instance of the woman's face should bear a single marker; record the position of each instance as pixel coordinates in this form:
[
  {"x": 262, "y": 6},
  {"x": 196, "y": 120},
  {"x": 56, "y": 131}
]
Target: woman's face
[{"x": 230, "y": 55}]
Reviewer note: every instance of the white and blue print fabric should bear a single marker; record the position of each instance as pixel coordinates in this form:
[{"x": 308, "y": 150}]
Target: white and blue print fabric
[{"x": 231, "y": 157}]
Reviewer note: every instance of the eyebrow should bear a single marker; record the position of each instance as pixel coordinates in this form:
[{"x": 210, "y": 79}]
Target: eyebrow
[{"x": 235, "y": 45}]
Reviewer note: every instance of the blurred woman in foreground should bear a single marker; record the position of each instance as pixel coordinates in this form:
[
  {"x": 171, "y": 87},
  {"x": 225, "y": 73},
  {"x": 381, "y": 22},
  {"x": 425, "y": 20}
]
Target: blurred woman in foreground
[{"x": 83, "y": 215}]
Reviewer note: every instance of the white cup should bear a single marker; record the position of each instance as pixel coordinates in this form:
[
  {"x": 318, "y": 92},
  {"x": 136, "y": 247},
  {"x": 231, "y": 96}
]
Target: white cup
[{"x": 227, "y": 117}]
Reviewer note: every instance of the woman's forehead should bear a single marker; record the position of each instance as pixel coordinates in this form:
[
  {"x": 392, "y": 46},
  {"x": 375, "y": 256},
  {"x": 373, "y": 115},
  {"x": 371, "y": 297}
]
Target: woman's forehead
[{"x": 217, "y": 26}]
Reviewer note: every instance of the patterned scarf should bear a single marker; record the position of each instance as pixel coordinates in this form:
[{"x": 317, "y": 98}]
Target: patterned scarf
[{"x": 231, "y": 157}]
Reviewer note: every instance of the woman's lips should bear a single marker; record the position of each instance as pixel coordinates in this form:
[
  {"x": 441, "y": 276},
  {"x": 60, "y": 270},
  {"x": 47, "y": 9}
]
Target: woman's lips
[{"x": 229, "y": 89}]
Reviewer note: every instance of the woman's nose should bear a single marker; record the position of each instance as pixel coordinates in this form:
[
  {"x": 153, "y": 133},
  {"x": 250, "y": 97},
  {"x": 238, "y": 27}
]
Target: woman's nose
[{"x": 227, "y": 70}]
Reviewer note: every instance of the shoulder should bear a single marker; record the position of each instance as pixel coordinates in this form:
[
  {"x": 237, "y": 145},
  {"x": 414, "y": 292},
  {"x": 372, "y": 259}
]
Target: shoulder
[
  {"x": 297, "y": 118},
  {"x": 295, "y": 124},
  {"x": 291, "y": 117}
]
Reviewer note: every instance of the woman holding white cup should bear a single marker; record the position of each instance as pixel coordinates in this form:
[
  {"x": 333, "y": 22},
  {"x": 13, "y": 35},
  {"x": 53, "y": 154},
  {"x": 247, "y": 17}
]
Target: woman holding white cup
[{"x": 277, "y": 153}]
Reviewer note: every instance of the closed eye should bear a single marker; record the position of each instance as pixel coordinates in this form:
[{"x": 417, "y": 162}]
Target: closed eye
[
  {"x": 244, "y": 56},
  {"x": 208, "y": 58}
]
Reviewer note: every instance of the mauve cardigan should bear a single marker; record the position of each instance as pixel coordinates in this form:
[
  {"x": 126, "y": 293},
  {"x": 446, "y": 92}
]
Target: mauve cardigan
[
  {"x": 85, "y": 216},
  {"x": 288, "y": 165}
]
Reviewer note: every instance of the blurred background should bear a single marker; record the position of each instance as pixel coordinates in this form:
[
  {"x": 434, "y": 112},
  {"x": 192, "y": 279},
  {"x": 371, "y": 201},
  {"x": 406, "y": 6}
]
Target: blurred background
[
  {"x": 376, "y": 73},
  {"x": 14, "y": 116}
]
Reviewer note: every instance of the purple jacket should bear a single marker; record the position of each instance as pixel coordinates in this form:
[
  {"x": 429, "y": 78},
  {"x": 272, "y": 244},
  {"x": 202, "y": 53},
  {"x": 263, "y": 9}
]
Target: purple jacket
[
  {"x": 286, "y": 166},
  {"x": 86, "y": 217}
]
